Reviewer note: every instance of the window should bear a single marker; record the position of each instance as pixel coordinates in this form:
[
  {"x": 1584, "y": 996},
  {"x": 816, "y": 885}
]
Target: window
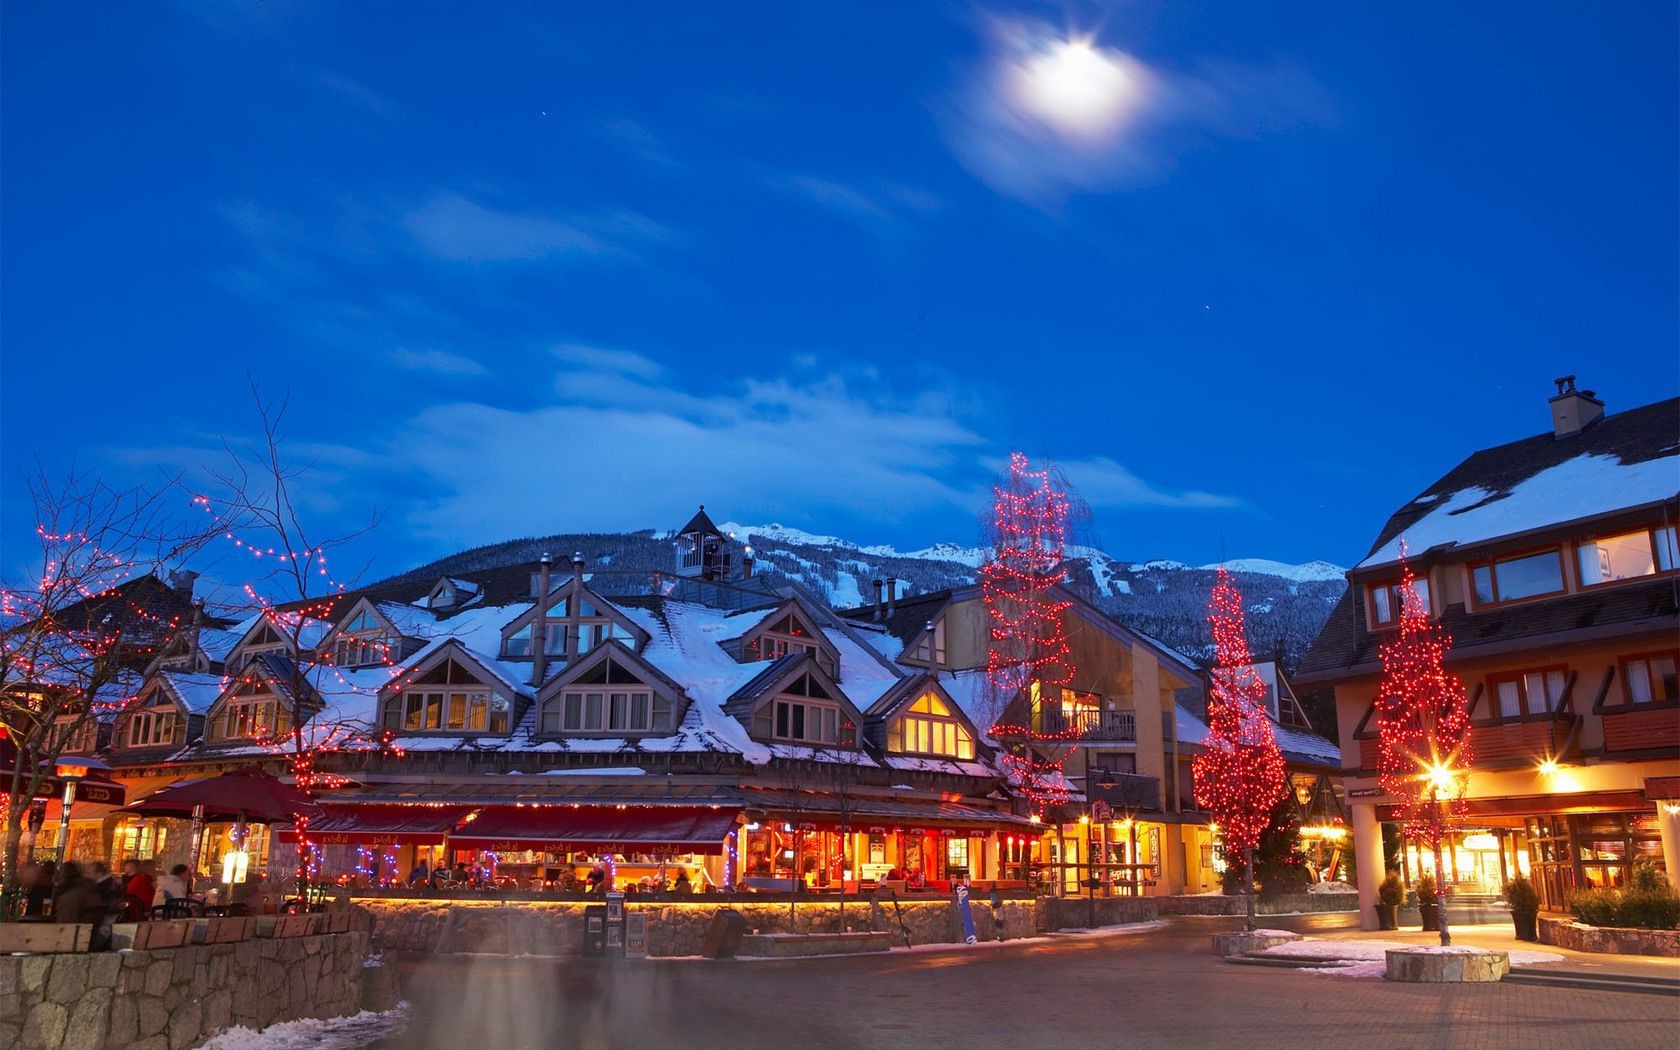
[
  {"x": 931, "y": 649},
  {"x": 249, "y": 717},
  {"x": 364, "y": 641},
  {"x": 149, "y": 728},
  {"x": 1627, "y": 556},
  {"x": 1386, "y": 600},
  {"x": 804, "y": 722},
  {"x": 1525, "y": 576},
  {"x": 929, "y": 728},
  {"x": 1650, "y": 678},
  {"x": 1535, "y": 692},
  {"x": 787, "y": 635},
  {"x": 600, "y": 711},
  {"x": 434, "y": 710}
]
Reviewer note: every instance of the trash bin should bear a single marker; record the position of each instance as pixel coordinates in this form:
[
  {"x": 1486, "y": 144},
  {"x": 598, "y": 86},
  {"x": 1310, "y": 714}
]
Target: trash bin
[
  {"x": 724, "y": 935},
  {"x": 595, "y": 929}
]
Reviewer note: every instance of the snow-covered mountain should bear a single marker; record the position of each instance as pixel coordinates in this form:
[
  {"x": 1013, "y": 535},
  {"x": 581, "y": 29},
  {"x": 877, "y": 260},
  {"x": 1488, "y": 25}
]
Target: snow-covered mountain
[{"x": 1287, "y": 604}]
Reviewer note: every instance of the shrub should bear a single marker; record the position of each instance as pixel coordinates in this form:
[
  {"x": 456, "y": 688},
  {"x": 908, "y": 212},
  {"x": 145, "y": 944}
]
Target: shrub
[
  {"x": 1595, "y": 907},
  {"x": 1649, "y": 911},
  {"x": 1647, "y": 879},
  {"x": 1426, "y": 888},
  {"x": 1391, "y": 890},
  {"x": 1521, "y": 896}
]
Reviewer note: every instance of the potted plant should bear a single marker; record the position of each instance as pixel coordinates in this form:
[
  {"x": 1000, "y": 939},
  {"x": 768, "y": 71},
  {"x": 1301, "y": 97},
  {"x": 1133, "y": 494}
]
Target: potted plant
[
  {"x": 1525, "y": 908},
  {"x": 1429, "y": 906},
  {"x": 1391, "y": 893}
]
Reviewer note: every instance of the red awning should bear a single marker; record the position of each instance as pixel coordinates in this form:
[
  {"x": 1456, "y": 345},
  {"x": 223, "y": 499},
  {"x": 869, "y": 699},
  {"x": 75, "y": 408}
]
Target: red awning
[
  {"x": 626, "y": 829},
  {"x": 376, "y": 825}
]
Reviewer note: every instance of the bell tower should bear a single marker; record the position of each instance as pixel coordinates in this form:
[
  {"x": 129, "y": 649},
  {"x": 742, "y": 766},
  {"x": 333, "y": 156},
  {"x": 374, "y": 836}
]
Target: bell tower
[{"x": 703, "y": 552}]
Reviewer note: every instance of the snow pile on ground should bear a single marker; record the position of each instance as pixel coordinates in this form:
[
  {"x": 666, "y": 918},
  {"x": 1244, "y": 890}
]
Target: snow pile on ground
[
  {"x": 1331, "y": 887},
  {"x": 1370, "y": 958},
  {"x": 336, "y": 1033}
]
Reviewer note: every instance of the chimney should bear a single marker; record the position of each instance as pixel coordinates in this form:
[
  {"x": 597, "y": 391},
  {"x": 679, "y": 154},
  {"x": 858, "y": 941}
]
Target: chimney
[
  {"x": 539, "y": 627},
  {"x": 892, "y": 594},
  {"x": 879, "y": 583},
  {"x": 577, "y": 564},
  {"x": 747, "y": 562},
  {"x": 1573, "y": 410},
  {"x": 182, "y": 580}
]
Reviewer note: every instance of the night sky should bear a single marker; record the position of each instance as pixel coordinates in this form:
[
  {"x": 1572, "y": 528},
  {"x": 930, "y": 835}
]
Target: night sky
[{"x": 1253, "y": 274}]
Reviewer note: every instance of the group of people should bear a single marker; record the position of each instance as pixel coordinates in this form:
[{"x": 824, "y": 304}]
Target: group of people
[
  {"x": 95, "y": 894},
  {"x": 442, "y": 875}
]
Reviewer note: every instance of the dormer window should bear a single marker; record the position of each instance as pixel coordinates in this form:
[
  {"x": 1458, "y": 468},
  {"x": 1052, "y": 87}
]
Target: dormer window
[
  {"x": 1386, "y": 600},
  {"x": 437, "y": 709},
  {"x": 591, "y": 625},
  {"x": 1517, "y": 577},
  {"x": 449, "y": 594},
  {"x": 252, "y": 713},
  {"x": 607, "y": 699},
  {"x": 804, "y": 713},
  {"x": 786, "y": 635},
  {"x": 1627, "y": 556},
  {"x": 84, "y": 739},
  {"x": 365, "y": 641},
  {"x": 929, "y": 727},
  {"x": 931, "y": 649},
  {"x": 151, "y": 728}
]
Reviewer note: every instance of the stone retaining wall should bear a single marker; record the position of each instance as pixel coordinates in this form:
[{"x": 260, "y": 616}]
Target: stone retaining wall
[
  {"x": 1613, "y": 940},
  {"x": 556, "y": 927},
  {"x": 1282, "y": 904},
  {"x": 175, "y": 998}
]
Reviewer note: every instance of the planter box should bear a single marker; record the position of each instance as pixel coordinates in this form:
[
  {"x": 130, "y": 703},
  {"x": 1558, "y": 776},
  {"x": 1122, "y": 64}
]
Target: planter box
[
  {"x": 45, "y": 937},
  {"x": 1612, "y": 940},
  {"x": 1435, "y": 966},
  {"x": 799, "y": 945}
]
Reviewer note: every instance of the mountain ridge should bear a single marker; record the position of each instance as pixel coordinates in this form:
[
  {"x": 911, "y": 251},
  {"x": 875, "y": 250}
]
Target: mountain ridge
[{"x": 1286, "y": 604}]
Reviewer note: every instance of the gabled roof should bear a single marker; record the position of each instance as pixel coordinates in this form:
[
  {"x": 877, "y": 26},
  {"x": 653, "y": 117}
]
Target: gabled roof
[
  {"x": 620, "y": 653},
  {"x": 195, "y": 693},
  {"x": 491, "y": 672},
  {"x": 1298, "y": 746},
  {"x": 1623, "y": 461},
  {"x": 700, "y": 523}
]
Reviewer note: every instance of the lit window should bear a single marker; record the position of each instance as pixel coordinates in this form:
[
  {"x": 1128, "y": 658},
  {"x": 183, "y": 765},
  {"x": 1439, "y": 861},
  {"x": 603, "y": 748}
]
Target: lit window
[
  {"x": 929, "y": 728},
  {"x": 1627, "y": 556},
  {"x": 1509, "y": 579},
  {"x": 469, "y": 711},
  {"x": 801, "y": 721},
  {"x": 1651, "y": 678},
  {"x": 1534, "y": 692},
  {"x": 1386, "y": 600}
]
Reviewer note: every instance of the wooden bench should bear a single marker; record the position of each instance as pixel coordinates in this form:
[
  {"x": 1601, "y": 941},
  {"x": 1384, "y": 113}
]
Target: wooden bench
[{"x": 45, "y": 937}]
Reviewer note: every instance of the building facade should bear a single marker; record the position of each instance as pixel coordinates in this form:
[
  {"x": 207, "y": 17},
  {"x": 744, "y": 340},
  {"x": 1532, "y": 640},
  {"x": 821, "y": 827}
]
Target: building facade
[{"x": 1551, "y": 562}]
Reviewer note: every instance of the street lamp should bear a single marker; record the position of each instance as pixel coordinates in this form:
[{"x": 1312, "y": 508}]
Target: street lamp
[
  {"x": 71, "y": 772},
  {"x": 1442, "y": 780}
]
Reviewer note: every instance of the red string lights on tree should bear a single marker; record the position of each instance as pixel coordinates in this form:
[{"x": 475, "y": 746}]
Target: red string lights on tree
[
  {"x": 1239, "y": 775},
  {"x": 1423, "y": 727},
  {"x": 1028, "y": 654}
]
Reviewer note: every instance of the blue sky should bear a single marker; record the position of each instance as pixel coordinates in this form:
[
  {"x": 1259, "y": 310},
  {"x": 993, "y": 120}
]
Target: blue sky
[{"x": 1253, "y": 274}]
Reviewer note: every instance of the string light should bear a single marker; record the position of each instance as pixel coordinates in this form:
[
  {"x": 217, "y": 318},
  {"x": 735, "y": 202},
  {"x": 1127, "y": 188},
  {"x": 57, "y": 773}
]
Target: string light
[
  {"x": 1029, "y": 652},
  {"x": 1239, "y": 775},
  {"x": 1423, "y": 721}
]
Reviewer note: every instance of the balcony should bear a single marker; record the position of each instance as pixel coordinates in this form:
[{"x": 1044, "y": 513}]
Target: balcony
[
  {"x": 1632, "y": 729},
  {"x": 1124, "y": 792},
  {"x": 1113, "y": 726}
]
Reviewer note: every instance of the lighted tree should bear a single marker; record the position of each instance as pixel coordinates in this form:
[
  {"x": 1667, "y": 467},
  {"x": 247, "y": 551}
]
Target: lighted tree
[
  {"x": 1239, "y": 775},
  {"x": 76, "y": 628},
  {"x": 1423, "y": 726},
  {"x": 1028, "y": 653},
  {"x": 297, "y": 593}
]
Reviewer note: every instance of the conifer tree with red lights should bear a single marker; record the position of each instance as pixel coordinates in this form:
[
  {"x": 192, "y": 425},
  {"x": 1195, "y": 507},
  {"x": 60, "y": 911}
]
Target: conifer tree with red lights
[
  {"x": 1239, "y": 775},
  {"x": 1028, "y": 653},
  {"x": 1423, "y": 729}
]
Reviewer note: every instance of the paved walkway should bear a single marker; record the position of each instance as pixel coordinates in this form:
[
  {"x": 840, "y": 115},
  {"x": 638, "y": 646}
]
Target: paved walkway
[{"x": 1157, "y": 989}]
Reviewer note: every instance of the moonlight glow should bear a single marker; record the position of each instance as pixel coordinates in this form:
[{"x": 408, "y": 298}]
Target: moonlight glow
[{"x": 1080, "y": 89}]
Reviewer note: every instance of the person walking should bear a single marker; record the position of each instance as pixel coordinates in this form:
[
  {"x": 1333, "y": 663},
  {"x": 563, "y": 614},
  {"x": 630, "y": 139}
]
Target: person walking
[
  {"x": 172, "y": 887},
  {"x": 106, "y": 884}
]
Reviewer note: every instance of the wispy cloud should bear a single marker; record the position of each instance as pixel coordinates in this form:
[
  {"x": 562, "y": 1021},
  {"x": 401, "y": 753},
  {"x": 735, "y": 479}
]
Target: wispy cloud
[
  {"x": 455, "y": 228},
  {"x": 1045, "y": 115},
  {"x": 1105, "y": 483},
  {"x": 877, "y": 204},
  {"x": 441, "y": 362}
]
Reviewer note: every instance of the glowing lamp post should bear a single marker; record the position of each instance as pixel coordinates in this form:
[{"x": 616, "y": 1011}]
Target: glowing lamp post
[{"x": 71, "y": 772}]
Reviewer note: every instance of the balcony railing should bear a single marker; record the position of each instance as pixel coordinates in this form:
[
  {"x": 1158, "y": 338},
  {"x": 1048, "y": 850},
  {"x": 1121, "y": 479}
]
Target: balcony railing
[{"x": 1088, "y": 724}]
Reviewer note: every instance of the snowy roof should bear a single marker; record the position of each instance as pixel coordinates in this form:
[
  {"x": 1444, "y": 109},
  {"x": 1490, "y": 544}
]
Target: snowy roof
[
  {"x": 1627, "y": 460},
  {"x": 1294, "y": 743},
  {"x": 412, "y": 621},
  {"x": 194, "y": 692}
]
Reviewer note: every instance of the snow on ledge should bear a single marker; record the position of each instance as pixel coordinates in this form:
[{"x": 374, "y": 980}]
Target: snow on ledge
[{"x": 333, "y": 1033}]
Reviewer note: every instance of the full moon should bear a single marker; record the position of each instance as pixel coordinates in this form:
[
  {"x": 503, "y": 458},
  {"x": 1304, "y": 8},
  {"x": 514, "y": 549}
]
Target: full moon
[{"x": 1080, "y": 89}]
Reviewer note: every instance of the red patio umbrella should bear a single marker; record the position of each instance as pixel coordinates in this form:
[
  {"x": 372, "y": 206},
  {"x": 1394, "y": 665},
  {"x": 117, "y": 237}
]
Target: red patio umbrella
[
  {"x": 249, "y": 793},
  {"x": 246, "y": 794}
]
